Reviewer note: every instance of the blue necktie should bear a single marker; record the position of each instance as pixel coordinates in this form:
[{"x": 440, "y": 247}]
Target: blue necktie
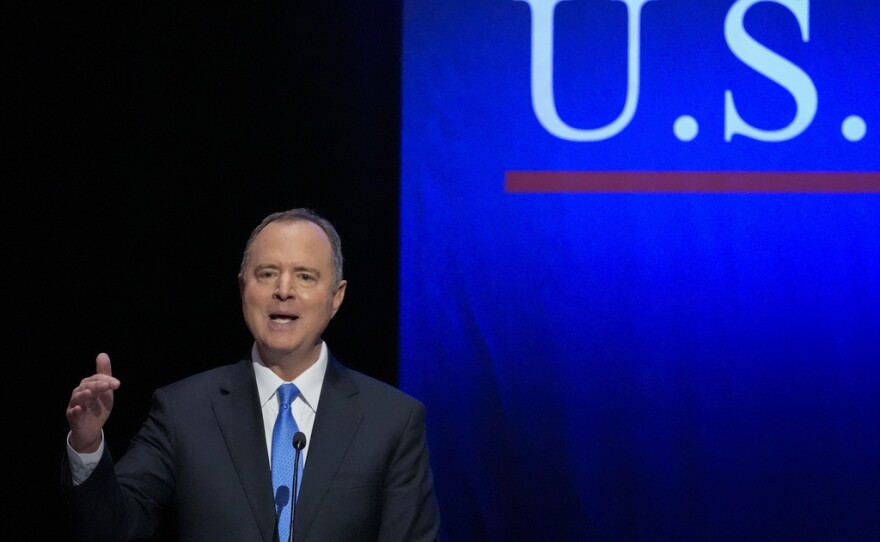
[{"x": 283, "y": 458}]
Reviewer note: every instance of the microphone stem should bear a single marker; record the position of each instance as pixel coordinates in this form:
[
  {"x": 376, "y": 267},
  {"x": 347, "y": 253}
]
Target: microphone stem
[
  {"x": 299, "y": 442},
  {"x": 293, "y": 493}
]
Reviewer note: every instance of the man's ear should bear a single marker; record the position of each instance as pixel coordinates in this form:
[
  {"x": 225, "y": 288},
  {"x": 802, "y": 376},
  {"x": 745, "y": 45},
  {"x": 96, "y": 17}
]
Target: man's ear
[{"x": 338, "y": 296}]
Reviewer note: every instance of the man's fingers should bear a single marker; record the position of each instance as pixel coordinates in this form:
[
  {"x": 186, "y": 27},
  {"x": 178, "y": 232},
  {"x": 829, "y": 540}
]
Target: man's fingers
[
  {"x": 98, "y": 382},
  {"x": 97, "y": 385},
  {"x": 102, "y": 364},
  {"x": 81, "y": 399},
  {"x": 91, "y": 394}
]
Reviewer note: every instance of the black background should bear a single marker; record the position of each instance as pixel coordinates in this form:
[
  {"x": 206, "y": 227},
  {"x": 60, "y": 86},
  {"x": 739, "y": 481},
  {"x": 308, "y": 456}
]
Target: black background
[{"x": 146, "y": 140}]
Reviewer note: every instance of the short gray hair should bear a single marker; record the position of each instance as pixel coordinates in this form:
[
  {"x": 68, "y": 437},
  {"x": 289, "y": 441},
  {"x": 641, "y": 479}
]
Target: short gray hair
[{"x": 296, "y": 215}]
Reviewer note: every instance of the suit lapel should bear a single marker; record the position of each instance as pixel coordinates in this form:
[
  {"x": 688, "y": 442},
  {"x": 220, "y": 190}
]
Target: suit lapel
[
  {"x": 336, "y": 421},
  {"x": 238, "y": 413}
]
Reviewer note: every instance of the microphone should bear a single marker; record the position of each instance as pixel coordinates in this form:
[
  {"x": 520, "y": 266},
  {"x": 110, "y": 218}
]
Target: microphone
[{"x": 299, "y": 442}]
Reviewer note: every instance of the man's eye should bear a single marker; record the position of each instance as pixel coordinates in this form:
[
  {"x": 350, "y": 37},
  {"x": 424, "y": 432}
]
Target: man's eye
[
  {"x": 266, "y": 274},
  {"x": 305, "y": 277}
]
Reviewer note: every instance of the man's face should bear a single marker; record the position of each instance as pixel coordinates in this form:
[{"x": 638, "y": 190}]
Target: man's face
[{"x": 288, "y": 295}]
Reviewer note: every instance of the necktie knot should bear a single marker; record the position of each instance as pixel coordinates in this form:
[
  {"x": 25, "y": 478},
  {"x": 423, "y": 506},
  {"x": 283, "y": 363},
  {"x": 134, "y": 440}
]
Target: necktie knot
[{"x": 286, "y": 394}]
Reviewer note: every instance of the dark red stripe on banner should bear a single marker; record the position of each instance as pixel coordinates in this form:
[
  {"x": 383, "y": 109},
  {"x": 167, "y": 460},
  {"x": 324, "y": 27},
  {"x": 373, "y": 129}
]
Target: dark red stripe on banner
[{"x": 693, "y": 181}]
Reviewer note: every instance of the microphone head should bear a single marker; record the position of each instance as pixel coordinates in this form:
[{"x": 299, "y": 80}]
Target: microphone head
[
  {"x": 299, "y": 440},
  {"x": 282, "y": 497}
]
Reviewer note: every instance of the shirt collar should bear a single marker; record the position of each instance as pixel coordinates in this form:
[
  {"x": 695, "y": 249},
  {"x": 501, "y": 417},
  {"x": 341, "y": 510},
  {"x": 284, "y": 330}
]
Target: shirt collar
[{"x": 309, "y": 382}]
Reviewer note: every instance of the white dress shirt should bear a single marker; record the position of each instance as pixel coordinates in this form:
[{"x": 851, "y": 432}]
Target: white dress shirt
[{"x": 305, "y": 405}]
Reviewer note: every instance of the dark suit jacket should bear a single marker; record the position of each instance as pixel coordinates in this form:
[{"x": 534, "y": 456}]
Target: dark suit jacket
[{"x": 201, "y": 456}]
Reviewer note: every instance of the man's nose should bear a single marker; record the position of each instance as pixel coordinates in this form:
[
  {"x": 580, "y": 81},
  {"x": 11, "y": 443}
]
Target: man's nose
[{"x": 284, "y": 287}]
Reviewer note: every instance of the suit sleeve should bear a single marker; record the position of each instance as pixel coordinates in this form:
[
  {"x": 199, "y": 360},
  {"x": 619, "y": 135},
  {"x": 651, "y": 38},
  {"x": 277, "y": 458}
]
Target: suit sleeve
[
  {"x": 124, "y": 501},
  {"x": 410, "y": 512},
  {"x": 95, "y": 507}
]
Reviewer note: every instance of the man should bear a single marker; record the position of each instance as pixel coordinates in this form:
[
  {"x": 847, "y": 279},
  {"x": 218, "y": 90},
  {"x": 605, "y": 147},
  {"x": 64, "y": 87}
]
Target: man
[{"x": 203, "y": 456}]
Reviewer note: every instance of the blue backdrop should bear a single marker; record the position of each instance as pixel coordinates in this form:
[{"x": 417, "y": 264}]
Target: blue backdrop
[{"x": 640, "y": 276}]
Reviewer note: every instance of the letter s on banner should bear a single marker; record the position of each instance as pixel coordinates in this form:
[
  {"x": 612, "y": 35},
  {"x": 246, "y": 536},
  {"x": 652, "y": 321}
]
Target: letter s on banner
[{"x": 774, "y": 67}]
